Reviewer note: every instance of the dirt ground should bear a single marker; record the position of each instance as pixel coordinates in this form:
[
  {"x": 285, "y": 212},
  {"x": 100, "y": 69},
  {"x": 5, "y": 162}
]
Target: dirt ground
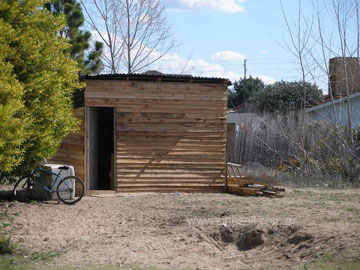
[{"x": 191, "y": 231}]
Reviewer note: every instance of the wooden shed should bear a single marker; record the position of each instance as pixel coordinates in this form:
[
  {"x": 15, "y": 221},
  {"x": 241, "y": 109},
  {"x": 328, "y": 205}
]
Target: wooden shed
[{"x": 149, "y": 133}]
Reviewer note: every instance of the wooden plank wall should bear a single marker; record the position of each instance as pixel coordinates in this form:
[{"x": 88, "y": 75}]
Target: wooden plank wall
[
  {"x": 72, "y": 149},
  {"x": 170, "y": 136}
]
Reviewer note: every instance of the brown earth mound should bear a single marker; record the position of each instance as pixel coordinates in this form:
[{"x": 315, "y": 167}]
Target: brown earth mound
[{"x": 191, "y": 231}]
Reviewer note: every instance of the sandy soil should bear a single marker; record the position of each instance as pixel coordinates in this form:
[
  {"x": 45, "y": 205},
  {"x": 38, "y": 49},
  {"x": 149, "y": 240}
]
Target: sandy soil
[{"x": 190, "y": 231}]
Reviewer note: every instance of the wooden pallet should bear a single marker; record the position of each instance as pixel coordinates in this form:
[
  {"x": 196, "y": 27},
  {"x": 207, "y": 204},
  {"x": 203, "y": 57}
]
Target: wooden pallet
[{"x": 248, "y": 185}]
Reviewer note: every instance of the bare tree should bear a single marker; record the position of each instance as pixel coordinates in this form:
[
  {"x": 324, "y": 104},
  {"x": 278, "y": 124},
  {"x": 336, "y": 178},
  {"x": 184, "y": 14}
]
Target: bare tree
[
  {"x": 330, "y": 31},
  {"x": 341, "y": 41},
  {"x": 343, "y": 13},
  {"x": 135, "y": 32},
  {"x": 145, "y": 33},
  {"x": 299, "y": 32},
  {"x": 102, "y": 16},
  {"x": 337, "y": 37}
]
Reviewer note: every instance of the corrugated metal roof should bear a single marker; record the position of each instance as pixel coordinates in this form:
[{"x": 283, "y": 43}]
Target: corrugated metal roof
[{"x": 158, "y": 77}]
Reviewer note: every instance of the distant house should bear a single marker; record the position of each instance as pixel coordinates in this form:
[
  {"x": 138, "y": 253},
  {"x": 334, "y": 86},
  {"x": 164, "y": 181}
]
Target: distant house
[
  {"x": 250, "y": 134},
  {"x": 344, "y": 80},
  {"x": 336, "y": 111}
]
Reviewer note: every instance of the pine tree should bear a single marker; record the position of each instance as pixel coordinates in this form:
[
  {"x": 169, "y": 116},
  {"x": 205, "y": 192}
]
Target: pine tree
[{"x": 79, "y": 39}]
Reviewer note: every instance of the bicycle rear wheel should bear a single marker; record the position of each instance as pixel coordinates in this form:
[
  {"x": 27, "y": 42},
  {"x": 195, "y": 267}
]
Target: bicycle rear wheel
[
  {"x": 66, "y": 190},
  {"x": 24, "y": 189}
]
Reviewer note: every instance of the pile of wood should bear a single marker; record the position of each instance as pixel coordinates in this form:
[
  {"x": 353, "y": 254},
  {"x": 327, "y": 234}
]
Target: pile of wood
[{"x": 251, "y": 185}]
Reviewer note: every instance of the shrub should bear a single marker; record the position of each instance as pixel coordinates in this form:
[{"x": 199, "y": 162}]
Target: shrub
[
  {"x": 37, "y": 79},
  {"x": 6, "y": 247}
]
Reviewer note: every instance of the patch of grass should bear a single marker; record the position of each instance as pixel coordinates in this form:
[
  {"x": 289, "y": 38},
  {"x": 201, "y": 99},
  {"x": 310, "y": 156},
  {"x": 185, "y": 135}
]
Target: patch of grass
[
  {"x": 32, "y": 201},
  {"x": 6, "y": 247},
  {"x": 354, "y": 211},
  {"x": 4, "y": 224},
  {"x": 326, "y": 258},
  {"x": 338, "y": 197},
  {"x": 267, "y": 267},
  {"x": 4, "y": 214},
  {"x": 10, "y": 262},
  {"x": 298, "y": 193},
  {"x": 8, "y": 216},
  {"x": 325, "y": 196},
  {"x": 43, "y": 256},
  {"x": 126, "y": 267},
  {"x": 108, "y": 267},
  {"x": 332, "y": 262},
  {"x": 352, "y": 265},
  {"x": 13, "y": 263},
  {"x": 12, "y": 203}
]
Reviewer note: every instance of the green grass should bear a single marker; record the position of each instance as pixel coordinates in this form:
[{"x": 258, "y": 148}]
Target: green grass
[
  {"x": 6, "y": 247},
  {"x": 334, "y": 262},
  {"x": 4, "y": 224},
  {"x": 325, "y": 196},
  {"x": 111, "y": 267},
  {"x": 43, "y": 256},
  {"x": 44, "y": 261},
  {"x": 352, "y": 265}
]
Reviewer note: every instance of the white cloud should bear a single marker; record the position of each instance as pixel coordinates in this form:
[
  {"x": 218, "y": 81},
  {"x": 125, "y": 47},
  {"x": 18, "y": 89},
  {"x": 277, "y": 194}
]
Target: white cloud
[
  {"x": 228, "y": 56},
  {"x": 172, "y": 63},
  {"x": 266, "y": 79},
  {"x": 174, "y": 10},
  {"x": 264, "y": 51},
  {"x": 230, "y": 6}
]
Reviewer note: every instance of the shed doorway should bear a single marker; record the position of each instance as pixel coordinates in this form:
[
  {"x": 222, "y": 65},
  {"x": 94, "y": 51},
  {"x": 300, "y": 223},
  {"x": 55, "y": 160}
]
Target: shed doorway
[{"x": 101, "y": 148}]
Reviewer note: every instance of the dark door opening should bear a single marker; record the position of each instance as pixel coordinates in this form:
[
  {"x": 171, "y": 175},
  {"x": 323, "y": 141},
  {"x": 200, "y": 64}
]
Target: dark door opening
[
  {"x": 101, "y": 148},
  {"x": 105, "y": 146}
]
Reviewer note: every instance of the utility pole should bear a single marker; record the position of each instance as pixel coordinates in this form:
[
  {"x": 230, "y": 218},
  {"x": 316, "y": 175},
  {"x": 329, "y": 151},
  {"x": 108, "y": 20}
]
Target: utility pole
[{"x": 245, "y": 69}]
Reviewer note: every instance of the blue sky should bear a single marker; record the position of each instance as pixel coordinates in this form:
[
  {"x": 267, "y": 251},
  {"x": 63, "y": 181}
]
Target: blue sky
[{"x": 216, "y": 35}]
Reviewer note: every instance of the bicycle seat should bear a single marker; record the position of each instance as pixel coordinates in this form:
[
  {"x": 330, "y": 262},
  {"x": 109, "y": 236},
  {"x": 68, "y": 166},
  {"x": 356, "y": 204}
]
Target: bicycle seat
[{"x": 65, "y": 168}]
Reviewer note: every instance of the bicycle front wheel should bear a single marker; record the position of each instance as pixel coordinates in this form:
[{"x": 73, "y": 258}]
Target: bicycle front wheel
[
  {"x": 24, "y": 189},
  {"x": 70, "y": 190}
]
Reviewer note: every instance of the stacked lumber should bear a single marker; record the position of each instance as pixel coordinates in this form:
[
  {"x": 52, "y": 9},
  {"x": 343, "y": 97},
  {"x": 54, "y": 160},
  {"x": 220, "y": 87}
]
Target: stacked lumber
[{"x": 248, "y": 185}]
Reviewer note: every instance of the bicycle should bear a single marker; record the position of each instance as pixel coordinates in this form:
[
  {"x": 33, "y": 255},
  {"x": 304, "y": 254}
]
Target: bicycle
[{"x": 24, "y": 188}]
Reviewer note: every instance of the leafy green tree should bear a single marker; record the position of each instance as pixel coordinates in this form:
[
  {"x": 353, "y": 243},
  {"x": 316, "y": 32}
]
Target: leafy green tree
[
  {"x": 281, "y": 96},
  {"x": 12, "y": 128},
  {"x": 243, "y": 90},
  {"x": 37, "y": 79},
  {"x": 79, "y": 39}
]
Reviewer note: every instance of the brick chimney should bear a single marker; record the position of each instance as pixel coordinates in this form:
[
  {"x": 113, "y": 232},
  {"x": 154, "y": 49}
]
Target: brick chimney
[{"x": 344, "y": 71}]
